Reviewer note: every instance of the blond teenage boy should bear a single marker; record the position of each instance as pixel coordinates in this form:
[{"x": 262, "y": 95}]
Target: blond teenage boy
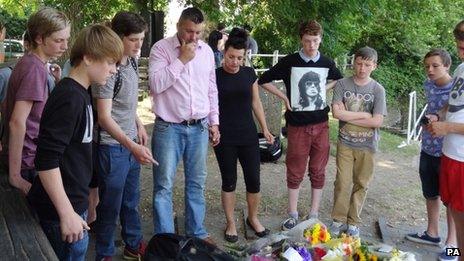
[
  {"x": 49, "y": 31},
  {"x": 64, "y": 150}
]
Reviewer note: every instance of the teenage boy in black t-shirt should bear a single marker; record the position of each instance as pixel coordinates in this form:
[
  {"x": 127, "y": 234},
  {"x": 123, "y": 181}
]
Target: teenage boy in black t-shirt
[
  {"x": 305, "y": 75},
  {"x": 64, "y": 151}
]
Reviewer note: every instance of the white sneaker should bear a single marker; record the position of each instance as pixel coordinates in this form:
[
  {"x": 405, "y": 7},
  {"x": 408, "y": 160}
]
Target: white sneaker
[
  {"x": 336, "y": 228},
  {"x": 352, "y": 231},
  {"x": 444, "y": 257}
]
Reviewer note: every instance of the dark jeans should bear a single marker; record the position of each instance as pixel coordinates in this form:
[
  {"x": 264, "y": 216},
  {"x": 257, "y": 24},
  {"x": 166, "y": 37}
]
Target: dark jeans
[
  {"x": 64, "y": 250},
  {"x": 119, "y": 191}
]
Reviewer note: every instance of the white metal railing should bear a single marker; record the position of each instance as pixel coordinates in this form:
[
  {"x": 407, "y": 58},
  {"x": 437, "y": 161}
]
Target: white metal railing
[
  {"x": 275, "y": 58},
  {"x": 414, "y": 128}
]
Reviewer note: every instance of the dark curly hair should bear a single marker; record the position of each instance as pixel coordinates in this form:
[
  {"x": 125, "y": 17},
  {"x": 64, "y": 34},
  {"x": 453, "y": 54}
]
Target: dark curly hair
[{"x": 237, "y": 39}]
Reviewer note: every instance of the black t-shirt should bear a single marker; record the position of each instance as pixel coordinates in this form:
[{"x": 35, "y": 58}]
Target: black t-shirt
[
  {"x": 283, "y": 71},
  {"x": 235, "y": 93},
  {"x": 65, "y": 141}
]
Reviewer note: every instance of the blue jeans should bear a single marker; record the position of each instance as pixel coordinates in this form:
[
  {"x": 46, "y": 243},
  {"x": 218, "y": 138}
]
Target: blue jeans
[
  {"x": 119, "y": 191},
  {"x": 172, "y": 142},
  {"x": 64, "y": 250}
]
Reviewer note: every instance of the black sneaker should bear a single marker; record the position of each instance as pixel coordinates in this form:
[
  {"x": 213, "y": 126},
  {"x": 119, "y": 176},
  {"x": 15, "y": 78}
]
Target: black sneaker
[{"x": 424, "y": 238}]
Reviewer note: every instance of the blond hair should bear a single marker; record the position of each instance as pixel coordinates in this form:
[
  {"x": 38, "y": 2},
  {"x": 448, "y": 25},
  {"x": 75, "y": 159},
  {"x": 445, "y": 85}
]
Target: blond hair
[
  {"x": 98, "y": 42},
  {"x": 45, "y": 22}
]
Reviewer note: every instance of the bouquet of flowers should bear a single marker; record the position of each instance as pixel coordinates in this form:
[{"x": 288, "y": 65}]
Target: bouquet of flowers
[{"x": 316, "y": 234}]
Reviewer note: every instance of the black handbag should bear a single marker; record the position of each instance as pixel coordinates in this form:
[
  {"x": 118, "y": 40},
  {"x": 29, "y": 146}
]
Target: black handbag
[
  {"x": 269, "y": 152},
  {"x": 172, "y": 247}
]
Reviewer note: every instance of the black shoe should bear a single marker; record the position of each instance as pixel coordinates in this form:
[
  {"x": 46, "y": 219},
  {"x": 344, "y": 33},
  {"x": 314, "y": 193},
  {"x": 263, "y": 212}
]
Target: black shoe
[
  {"x": 230, "y": 238},
  {"x": 263, "y": 233}
]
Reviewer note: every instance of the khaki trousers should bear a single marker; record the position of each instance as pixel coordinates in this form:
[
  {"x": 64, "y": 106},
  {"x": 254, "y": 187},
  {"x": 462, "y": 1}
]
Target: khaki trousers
[{"x": 355, "y": 168}]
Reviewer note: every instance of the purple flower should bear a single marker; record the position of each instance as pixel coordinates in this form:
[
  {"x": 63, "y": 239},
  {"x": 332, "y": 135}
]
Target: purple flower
[{"x": 304, "y": 253}]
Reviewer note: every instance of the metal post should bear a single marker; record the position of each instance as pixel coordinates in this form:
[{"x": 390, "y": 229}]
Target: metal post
[
  {"x": 411, "y": 97},
  {"x": 415, "y": 115},
  {"x": 275, "y": 57}
]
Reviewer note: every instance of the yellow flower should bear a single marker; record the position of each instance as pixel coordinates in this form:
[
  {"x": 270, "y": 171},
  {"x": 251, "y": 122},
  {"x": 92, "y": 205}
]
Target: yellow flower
[
  {"x": 360, "y": 254},
  {"x": 314, "y": 240}
]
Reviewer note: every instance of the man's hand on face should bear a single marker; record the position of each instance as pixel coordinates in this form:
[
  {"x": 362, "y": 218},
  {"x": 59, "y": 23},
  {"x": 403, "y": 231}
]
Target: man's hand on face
[{"x": 187, "y": 51}]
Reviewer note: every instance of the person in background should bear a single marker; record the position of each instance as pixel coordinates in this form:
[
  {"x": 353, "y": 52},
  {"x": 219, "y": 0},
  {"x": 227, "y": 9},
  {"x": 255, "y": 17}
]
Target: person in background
[
  {"x": 213, "y": 42},
  {"x": 252, "y": 45},
  {"x": 2, "y": 39},
  {"x": 221, "y": 27}
]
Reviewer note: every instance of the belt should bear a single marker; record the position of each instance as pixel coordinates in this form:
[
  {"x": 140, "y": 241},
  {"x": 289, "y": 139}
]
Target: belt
[{"x": 186, "y": 122}]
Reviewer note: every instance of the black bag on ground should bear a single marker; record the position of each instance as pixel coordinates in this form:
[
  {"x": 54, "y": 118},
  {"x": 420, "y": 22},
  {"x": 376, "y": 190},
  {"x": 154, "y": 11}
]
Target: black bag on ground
[
  {"x": 172, "y": 247},
  {"x": 269, "y": 152}
]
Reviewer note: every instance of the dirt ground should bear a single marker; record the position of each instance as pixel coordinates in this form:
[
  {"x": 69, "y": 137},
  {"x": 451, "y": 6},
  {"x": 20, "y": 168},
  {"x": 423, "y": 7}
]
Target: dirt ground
[{"x": 394, "y": 195}]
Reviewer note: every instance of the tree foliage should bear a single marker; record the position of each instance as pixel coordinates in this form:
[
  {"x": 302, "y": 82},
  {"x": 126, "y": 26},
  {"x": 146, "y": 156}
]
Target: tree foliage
[
  {"x": 401, "y": 31},
  {"x": 81, "y": 13}
]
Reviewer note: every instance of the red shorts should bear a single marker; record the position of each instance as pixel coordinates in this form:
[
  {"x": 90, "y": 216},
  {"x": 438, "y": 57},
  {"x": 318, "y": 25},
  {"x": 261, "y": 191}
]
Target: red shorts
[
  {"x": 309, "y": 141},
  {"x": 452, "y": 183}
]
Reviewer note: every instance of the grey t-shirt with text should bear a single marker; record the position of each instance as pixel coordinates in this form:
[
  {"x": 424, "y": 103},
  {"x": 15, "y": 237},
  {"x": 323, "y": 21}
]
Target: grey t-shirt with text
[
  {"x": 124, "y": 105},
  {"x": 368, "y": 98}
]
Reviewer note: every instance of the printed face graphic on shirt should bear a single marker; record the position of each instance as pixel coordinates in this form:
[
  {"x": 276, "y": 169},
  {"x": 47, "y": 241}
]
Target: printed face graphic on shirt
[
  {"x": 456, "y": 97},
  {"x": 308, "y": 88}
]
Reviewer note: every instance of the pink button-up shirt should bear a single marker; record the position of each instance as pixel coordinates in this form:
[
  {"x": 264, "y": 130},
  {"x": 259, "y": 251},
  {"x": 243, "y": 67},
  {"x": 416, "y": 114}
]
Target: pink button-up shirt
[{"x": 183, "y": 92}]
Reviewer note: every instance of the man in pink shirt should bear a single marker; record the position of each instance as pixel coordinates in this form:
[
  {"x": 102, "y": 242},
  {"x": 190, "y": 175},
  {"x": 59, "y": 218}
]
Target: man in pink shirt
[{"x": 183, "y": 85}]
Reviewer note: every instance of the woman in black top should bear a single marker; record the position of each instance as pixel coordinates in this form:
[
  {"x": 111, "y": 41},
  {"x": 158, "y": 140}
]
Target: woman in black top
[{"x": 238, "y": 98}]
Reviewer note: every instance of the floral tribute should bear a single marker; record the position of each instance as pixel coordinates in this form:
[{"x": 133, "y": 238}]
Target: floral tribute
[
  {"x": 316, "y": 234},
  {"x": 311, "y": 241}
]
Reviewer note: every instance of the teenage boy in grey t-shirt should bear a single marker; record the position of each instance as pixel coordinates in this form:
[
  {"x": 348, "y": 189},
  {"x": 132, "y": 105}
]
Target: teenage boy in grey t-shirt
[
  {"x": 121, "y": 139},
  {"x": 359, "y": 104}
]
